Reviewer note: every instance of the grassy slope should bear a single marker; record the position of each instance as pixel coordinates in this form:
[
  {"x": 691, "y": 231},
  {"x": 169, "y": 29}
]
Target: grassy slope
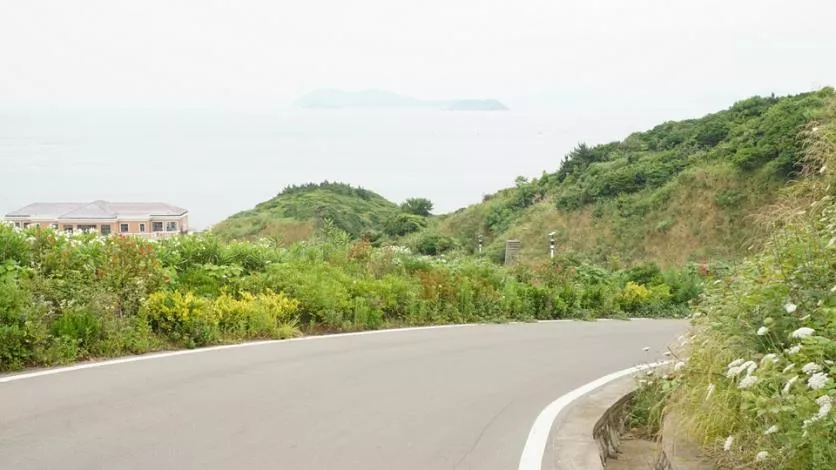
[
  {"x": 683, "y": 190},
  {"x": 772, "y": 420},
  {"x": 295, "y": 212}
]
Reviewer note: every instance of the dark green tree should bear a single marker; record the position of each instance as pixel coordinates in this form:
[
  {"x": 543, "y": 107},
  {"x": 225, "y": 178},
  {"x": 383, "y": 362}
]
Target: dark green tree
[{"x": 418, "y": 206}]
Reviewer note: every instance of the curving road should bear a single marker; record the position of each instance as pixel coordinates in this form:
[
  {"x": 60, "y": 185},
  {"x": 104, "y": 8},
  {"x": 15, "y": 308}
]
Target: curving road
[{"x": 431, "y": 399}]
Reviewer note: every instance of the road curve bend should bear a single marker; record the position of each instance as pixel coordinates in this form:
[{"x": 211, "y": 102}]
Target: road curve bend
[{"x": 429, "y": 399}]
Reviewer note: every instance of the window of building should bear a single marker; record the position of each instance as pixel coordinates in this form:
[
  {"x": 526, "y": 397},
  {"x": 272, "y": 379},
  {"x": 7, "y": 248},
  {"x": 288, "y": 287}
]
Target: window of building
[
  {"x": 25, "y": 224},
  {"x": 141, "y": 228},
  {"x": 68, "y": 228},
  {"x": 54, "y": 226},
  {"x": 85, "y": 228},
  {"x": 123, "y": 228},
  {"x": 105, "y": 229},
  {"x": 156, "y": 226},
  {"x": 171, "y": 226},
  {"x": 17, "y": 224}
]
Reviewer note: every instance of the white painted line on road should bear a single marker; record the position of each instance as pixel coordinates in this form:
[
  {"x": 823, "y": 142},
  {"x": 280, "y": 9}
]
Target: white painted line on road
[
  {"x": 183, "y": 352},
  {"x": 538, "y": 437},
  {"x": 148, "y": 357}
]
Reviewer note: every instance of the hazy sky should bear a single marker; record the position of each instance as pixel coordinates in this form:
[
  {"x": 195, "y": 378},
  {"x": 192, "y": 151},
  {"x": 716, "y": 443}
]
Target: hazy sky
[{"x": 685, "y": 57}]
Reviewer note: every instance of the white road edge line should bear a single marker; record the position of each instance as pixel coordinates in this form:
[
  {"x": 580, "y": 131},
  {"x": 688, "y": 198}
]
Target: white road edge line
[
  {"x": 538, "y": 437},
  {"x": 183, "y": 352}
]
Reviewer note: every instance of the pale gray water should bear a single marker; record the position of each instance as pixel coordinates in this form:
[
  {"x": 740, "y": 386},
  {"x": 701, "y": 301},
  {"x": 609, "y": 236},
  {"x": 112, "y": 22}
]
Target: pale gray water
[{"x": 218, "y": 162}]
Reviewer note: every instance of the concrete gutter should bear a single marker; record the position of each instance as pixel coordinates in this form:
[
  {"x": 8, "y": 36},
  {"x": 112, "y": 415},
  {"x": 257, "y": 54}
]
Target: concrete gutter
[{"x": 588, "y": 432}]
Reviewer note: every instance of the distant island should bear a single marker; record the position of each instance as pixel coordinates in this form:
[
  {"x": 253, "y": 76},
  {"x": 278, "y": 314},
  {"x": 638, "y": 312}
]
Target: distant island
[{"x": 331, "y": 98}]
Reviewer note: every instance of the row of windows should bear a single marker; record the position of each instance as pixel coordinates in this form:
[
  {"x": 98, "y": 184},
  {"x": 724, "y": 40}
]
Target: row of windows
[{"x": 104, "y": 229}]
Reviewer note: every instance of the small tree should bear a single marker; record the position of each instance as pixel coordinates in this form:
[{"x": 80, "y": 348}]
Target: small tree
[
  {"x": 401, "y": 224},
  {"x": 418, "y": 206}
]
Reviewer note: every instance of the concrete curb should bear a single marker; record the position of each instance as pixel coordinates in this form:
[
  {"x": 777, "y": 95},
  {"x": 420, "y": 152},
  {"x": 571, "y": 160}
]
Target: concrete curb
[{"x": 588, "y": 432}]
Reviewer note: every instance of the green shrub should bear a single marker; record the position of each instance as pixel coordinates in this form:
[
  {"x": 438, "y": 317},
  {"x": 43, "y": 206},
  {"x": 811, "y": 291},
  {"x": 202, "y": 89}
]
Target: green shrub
[
  {"x": 80, "y": 326},
  {"x": 433, "y": 244},
  {"x": 182, "y": 317},
  {"x": 403, "y": 223},
  {"x": 264, "y": 315}
]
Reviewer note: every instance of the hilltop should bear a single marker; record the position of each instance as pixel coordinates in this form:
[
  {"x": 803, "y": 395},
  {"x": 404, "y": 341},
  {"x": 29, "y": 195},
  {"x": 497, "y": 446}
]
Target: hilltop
[
  {"x": 332, "y": 98},
  {"x": 295, "y": 212},
  {"x": 682, "y": 191},
  {"x": 685, "y": 190}
]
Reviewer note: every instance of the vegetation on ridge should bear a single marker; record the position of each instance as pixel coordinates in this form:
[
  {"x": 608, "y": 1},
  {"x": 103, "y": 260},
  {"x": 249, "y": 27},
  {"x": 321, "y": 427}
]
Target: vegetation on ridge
[
  {"x": 754, "y": 381},
  {"x": 680, "y": 191}
]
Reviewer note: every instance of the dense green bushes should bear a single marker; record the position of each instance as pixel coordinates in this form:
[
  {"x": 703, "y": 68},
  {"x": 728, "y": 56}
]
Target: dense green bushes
[
  {"x": 757, "y": 388},
  {"x": 64, "y": 298}
]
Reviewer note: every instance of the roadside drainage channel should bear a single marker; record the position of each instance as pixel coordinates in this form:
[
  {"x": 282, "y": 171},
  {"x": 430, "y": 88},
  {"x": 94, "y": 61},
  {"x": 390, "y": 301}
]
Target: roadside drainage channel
[{"x": 588, "y": 434}]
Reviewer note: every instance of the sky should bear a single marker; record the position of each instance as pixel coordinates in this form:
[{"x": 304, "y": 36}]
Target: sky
[{"x": 572, "y": 56}]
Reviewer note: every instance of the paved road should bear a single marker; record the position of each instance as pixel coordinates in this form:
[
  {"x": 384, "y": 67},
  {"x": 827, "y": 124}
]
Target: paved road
[{"x": 457, "y": 398}]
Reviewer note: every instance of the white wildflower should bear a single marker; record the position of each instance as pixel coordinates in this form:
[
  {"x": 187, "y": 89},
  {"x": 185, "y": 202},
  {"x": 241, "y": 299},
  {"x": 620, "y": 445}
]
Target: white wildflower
[
  {"x": 806, "y": 317},
  {"x": 790, "y": 307},
  {"x": 770, "y": 357},
  {"x": 794, "y": 349},
  {"x": 802, "y": 332},
  {"x": 649, "y": 372},
  {"x": 811, "y": 368},
  {"x": 824, "y": 399},
  {"x": 761, "y": 456},
  {"x": 817, "y": 381},
  {"x": 788, "y": 368},
  {"x": 824, "y": 410},
  {"x": 735, "y": 363},
  {"x": 763, "y": 330},
  {"x": 833, "y": 289},
  {"x": 749, "y": 367},
  {"x": 727, "y": 445},
  {"x": 678, "y": 365},
  {"x": 772, "y": 430},
  {"x": 710, "y": 391},
  {"x": 733, "y": 372},
  {"x": 748, "y": 381},
  {"x": 789, "y": 383}
]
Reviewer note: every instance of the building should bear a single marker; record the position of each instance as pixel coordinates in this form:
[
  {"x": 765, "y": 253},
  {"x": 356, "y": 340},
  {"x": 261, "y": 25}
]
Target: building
[{"x": 146, "y": 219}]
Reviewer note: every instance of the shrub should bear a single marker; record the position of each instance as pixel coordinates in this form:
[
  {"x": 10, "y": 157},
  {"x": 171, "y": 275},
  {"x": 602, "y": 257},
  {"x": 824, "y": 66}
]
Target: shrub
[
  {"x": 633, "y": 297},
  {"x": 264, "y": 315},
  {"x": 433, "y": 244},
  {"x": 403, "y": 223},
  {"x": 182, "y": 317}
]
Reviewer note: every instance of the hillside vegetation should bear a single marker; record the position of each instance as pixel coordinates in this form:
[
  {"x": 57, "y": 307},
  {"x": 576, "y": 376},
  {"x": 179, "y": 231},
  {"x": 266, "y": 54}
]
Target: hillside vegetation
[
  {"x": 681, "y": 191},
  {"x": 295, "y": 213},
  {"x": 754, "y": 382},
  {"x": 70, "y": 297}
]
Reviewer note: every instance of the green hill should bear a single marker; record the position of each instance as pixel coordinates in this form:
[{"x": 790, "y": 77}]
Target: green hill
[
  {"x": 681, "y": 191},
  {"x": 294, "y": 213}
]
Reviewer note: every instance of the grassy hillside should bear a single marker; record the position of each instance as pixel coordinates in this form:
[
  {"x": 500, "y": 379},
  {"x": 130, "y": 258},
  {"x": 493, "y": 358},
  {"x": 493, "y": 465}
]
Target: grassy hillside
[
  {"x": 294, "y": 213},
  {"x": 681, "y": 191}
]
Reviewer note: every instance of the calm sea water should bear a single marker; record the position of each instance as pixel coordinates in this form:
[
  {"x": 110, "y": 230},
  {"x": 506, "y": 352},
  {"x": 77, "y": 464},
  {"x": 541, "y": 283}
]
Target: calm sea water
[{"x": 216, "y": 163}]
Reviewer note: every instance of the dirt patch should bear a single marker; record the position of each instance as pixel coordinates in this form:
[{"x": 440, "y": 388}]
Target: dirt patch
[{"x": 634, "y": 454}]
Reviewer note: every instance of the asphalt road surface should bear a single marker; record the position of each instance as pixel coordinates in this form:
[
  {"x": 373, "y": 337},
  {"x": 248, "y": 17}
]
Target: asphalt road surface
[{"x": 451, "y": 398}]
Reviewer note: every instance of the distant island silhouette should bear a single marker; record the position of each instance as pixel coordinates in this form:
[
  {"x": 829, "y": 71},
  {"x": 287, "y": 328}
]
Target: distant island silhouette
[{"x": 332, "y": 98}]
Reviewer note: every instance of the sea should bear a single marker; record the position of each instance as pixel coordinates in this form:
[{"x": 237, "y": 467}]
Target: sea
[{"x": 216, "y": 162}]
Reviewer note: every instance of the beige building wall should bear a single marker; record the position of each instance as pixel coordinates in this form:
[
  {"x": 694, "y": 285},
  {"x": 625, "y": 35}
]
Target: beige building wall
[{"x": 115, "y": 226}]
